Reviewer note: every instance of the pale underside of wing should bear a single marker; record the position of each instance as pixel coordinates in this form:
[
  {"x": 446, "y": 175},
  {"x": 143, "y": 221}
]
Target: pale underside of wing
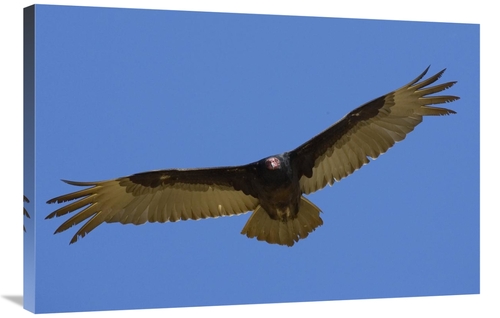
[
  {"x": 370, "y": 131},
  {"x": 124, "y": 201}
]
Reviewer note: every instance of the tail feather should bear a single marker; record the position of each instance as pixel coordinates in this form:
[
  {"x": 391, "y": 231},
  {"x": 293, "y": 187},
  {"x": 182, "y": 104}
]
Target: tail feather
[{"x": 261, "y": 226}]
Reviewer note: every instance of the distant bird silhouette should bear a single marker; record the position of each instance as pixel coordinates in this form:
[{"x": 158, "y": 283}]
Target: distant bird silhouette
[{"x": 273, "y": 187}]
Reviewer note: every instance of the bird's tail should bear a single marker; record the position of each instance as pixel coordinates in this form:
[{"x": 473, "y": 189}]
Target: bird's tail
[{"x": 261, "y": 226}]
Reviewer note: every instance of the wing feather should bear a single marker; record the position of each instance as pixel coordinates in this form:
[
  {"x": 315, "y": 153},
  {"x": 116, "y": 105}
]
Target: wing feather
[
  {"x": 367, "y": 132},
  {"x": 158, "y": 196},
  {"x": 25, "y": 212}
]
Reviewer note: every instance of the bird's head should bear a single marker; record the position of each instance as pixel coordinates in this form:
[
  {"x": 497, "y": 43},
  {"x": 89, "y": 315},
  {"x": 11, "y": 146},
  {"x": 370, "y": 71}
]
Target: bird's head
[{"x": 273, "y": 163}]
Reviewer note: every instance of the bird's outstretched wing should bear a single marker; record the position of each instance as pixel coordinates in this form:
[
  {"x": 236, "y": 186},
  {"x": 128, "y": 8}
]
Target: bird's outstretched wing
[
  {"x": 159, "y": 196},
  {"x": 368, "y": 131}
]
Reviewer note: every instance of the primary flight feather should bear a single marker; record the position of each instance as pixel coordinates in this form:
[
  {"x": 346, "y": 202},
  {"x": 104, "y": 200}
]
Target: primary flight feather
[
  {"x": 273, "y": 187},
  {"x": 25, "y": 212}
]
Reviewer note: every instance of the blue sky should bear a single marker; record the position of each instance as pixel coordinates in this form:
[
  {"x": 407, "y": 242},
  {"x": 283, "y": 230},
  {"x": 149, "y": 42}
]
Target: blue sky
[{"x": 126, "y": 91}]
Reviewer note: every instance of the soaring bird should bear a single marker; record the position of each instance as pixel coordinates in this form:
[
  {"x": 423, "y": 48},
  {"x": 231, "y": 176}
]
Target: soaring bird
[{"x": 273, "y": 187}]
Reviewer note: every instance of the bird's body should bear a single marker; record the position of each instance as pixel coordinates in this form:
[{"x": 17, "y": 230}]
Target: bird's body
[
  {"x": 280, "y": 184},
  {"x": 273, "y": 188}
]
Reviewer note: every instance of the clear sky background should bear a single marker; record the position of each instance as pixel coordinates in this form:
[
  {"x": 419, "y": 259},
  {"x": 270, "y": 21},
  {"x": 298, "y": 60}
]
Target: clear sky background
[{"x": 126, "y": 91}]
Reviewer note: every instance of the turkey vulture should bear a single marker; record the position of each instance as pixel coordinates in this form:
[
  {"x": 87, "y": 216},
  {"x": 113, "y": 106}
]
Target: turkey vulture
[
  {"x": 273, "y": 187},
  {"x": 25, "y": 199}
]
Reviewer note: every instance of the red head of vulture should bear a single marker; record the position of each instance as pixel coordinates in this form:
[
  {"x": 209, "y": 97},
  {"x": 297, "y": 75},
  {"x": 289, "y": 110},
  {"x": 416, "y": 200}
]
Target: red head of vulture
[{"x": 273, "y": 188}]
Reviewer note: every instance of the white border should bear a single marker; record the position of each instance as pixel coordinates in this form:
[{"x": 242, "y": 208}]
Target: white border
[{"x": 485, "y": 304}]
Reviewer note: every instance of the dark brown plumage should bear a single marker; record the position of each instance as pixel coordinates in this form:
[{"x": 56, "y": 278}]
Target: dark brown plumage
[{"x": 273, "y": 187}]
